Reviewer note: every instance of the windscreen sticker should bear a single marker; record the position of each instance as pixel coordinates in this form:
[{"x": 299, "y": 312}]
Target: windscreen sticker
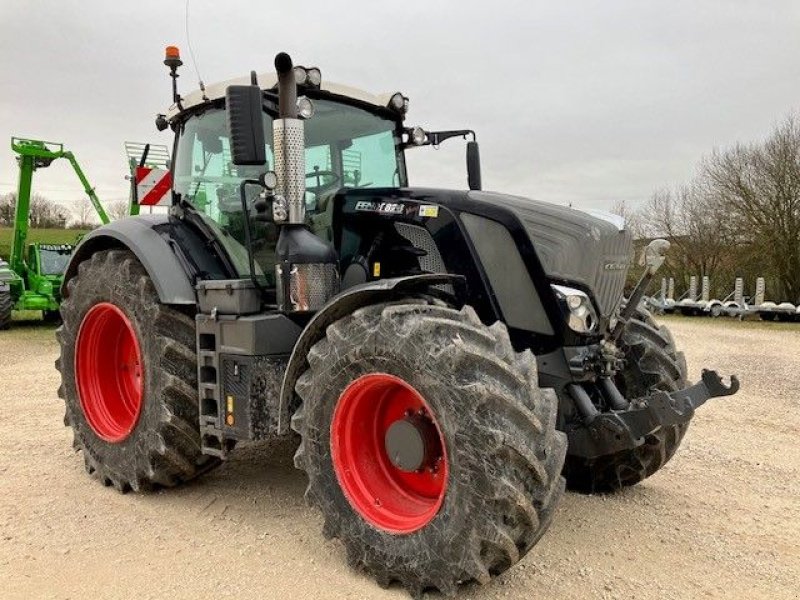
[
  {"x": 384, "y": 208},
  {"x": 428, "y": 210}
]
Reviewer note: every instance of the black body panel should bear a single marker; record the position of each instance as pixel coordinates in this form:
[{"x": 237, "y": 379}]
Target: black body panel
[{"x": 359, "y": 216}]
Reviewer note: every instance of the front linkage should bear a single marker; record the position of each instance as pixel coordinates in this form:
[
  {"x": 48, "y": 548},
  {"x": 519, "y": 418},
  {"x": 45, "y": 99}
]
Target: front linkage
[
  {"x": 619, "y": 430},
  {"x": 627, "y": 423}
]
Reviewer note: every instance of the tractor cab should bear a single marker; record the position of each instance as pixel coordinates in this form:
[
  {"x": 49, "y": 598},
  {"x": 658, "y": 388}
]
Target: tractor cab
[
  {"x": 353, "y": 140},
  {"x": 45, "y": 266}
]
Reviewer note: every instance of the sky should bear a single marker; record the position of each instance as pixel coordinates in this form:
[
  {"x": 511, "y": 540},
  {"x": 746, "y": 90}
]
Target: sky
[{"x": 585, "y": 103}]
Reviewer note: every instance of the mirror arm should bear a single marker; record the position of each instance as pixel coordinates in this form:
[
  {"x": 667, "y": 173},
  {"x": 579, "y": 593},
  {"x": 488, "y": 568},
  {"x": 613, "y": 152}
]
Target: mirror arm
[
  {"x": 437, "y": 137},
  {"x": 248, "y": 236}
]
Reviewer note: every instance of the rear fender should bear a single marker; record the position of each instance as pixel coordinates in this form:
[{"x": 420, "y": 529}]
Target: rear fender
[
  {"x": 352, "y": 299},
  {"x": 170, "y": 276}
]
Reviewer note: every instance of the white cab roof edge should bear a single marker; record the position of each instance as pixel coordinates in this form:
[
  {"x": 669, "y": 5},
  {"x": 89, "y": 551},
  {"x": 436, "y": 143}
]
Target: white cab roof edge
[{"x": 267, "y": 81}]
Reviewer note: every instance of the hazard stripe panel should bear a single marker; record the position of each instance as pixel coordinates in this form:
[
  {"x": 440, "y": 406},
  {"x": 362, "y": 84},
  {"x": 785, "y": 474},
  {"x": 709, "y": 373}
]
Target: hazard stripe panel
[{"x": 153, "y": 186}]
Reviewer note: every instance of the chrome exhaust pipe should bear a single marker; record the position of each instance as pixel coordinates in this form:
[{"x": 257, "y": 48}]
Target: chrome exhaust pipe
[{"x": 289, "y": 143}]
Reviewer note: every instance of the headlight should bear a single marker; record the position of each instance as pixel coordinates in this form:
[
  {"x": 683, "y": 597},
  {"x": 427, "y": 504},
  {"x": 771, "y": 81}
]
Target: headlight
[{"x": 577, "y": 308}]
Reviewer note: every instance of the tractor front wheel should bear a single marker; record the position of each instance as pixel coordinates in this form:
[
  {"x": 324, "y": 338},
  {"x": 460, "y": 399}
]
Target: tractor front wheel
[
  {"x": 652, "y": 363},
  {"x": 129, "y": 377},
  {"x": 429, "y": 447}
]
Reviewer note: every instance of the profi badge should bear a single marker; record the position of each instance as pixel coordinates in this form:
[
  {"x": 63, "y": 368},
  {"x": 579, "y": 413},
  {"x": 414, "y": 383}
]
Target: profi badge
[
  {"x": 429, "y": 210},
  {"x": 384, "y": 208}
]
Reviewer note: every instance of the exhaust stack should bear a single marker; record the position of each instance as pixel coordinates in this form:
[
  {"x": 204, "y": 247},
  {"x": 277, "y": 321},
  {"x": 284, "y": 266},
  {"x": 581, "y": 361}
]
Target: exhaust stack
[
  {"x": 289, "y": 143},
  {"x": 307, "y": 267}
]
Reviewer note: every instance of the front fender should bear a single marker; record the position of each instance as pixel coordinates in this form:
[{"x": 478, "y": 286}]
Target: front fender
[
  {"x": 352, "y": 299},
  {"x": 173, "y": 284}
]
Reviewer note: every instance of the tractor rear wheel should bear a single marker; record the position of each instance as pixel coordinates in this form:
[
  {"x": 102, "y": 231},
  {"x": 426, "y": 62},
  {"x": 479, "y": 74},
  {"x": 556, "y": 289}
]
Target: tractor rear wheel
[
  {"x": 429, "y": 447},
  {"x": 129, "y": 377},
  {"x": 6, "y": 304},
  {"x": 652, "y": 363}
]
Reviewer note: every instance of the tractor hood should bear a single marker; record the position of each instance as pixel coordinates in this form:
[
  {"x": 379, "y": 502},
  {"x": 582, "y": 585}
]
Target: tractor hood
[{"x": 574, "y": 246}]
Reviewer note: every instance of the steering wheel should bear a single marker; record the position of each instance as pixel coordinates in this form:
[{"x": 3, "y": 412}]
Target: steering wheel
[{"x": 332, "y": 180}]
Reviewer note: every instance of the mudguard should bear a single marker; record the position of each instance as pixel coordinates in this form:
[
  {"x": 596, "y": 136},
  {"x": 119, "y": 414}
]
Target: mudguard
[
  {"x": 345, "y": 303},
  {"x": 137, "y": 234}
]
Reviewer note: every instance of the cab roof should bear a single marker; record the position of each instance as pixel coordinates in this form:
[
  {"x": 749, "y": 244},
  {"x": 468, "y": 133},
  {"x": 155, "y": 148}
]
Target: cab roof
[{"x": 268, "y": 81}]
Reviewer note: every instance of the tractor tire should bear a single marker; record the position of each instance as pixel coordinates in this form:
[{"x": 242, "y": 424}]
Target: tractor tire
[
  {"x": 129, "y": 377},
  {"x": 652, "y": 363},
  {"x": 6, "y": 305},
  {"x": 492, "y": 491}
]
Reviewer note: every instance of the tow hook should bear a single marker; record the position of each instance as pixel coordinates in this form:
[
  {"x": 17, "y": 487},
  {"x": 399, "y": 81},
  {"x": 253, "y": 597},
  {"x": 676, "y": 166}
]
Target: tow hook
[{"x": 617, "y": 430}]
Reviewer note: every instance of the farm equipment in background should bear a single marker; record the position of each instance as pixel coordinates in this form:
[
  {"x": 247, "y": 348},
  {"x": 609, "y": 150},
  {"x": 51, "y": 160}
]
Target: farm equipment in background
[
  {"x": 735, "y": 304},
  {"x": 691, "y": 305},
  {"x": 768, "y": 310},
  {"x": 30, "y": 279},
  {"x": 435, "y": 350}
]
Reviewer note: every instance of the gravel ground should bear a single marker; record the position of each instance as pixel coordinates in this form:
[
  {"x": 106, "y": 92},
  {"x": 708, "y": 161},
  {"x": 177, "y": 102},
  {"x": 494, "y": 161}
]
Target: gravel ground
[{"x": 721, "y": 520}]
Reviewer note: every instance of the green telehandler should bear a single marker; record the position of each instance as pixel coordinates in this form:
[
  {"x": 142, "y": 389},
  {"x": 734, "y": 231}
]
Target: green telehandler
[{"x": 31, "y": 278}]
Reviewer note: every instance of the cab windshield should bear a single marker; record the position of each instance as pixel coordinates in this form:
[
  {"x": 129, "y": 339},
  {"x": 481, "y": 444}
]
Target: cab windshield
[
  {"x": 54, "y": 260},
  {"x": 346, "y": 147}
]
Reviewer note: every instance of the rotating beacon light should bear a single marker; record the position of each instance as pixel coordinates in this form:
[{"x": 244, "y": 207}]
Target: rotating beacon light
[{"x": 172, "y": 59}]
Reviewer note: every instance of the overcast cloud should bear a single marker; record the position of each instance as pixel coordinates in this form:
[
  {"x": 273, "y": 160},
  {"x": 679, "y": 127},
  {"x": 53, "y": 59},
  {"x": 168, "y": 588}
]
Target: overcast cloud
[{"x": 574, "y": 102}]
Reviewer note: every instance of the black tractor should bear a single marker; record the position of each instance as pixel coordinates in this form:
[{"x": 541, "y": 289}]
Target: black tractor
[{"x": 449, "y": 359}]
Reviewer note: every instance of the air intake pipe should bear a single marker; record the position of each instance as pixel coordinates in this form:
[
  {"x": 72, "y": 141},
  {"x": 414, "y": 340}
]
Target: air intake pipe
[{"x": 289, "y": 143}]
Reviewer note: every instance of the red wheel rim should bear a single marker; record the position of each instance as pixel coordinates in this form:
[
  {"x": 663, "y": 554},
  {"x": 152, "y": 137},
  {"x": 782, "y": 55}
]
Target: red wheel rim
[
  {"x": 389, "y": 498},
  {"x": 108, "y": 368}
]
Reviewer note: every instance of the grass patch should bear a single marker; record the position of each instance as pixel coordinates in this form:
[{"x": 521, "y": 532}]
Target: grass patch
[{"x": 43, "y": 236}]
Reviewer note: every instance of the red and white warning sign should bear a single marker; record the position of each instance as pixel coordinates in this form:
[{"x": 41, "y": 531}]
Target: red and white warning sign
[{"x": 153, "y": 186}]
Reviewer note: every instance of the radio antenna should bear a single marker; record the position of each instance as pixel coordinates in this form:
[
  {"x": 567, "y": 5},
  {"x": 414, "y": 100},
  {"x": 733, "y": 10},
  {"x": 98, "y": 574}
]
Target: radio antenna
[{"x": 191, "y": 53}]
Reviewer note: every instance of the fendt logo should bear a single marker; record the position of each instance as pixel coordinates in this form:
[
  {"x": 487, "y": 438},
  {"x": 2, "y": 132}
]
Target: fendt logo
[
  {"x": 616, "y": 266},
  {"x": 385, "y": 208}
]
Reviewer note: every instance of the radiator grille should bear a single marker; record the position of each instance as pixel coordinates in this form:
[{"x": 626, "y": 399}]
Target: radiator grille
[
  {"x": 609, "y": 283},
  {"x": 420, "y": 238}
]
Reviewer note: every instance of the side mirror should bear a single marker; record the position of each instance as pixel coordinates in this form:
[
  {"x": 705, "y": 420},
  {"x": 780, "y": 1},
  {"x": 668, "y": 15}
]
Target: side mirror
[
  {"x": 654, "y": 255},
  {"x": 473, "y": 166},
  {"x": 246, "y": 125}
]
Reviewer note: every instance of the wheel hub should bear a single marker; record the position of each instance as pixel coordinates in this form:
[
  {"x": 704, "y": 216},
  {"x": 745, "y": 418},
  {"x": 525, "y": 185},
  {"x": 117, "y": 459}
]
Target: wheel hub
[{"x": 412, "y": 443}]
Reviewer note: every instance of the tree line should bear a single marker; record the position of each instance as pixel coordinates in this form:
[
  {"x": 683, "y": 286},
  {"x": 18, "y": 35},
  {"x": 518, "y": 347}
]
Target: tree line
[
  {"x": 47, "y": 214},
  {"x": 738, "y": 216}
]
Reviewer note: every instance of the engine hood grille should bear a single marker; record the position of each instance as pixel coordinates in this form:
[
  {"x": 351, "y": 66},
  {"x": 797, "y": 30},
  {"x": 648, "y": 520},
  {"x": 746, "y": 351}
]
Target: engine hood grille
[{"x": 574, "y": 246}]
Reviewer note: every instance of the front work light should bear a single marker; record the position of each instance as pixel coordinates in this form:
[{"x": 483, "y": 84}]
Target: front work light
[
  {"x": 398, "y": 102},
  {"x": 300, "y": 75},
  {"x": 307, "y": 77},
  {"x": 417, "y": 136},
  {"x": 305, "y": 108},
  {"x": 314, "y": 77}
]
